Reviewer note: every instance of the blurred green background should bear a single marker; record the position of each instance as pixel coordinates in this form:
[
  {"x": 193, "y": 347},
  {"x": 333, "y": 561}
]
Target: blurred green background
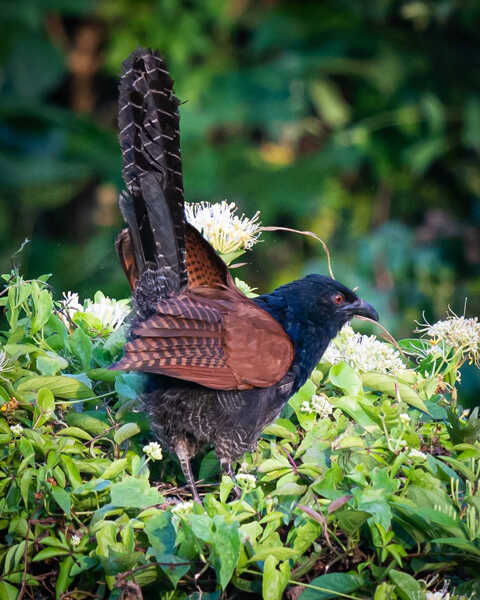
[{"x": 359, "y": 120}]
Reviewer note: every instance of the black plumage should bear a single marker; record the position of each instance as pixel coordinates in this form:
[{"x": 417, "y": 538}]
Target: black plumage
[{"x": 221, "y": 366}]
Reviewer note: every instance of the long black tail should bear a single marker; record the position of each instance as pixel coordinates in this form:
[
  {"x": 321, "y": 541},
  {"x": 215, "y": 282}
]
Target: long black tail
[{"x": 152, "y": 166}]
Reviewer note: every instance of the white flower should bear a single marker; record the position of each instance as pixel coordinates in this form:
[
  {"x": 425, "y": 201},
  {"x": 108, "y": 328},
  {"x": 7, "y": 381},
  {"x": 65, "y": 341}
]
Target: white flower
[
  {"x": 414, "y": 453},
  {"x": 437, "y": 596},
  {"x": 457, "y": 332},
  {"x": 404, "y": 418},
  {"x": 246, "y": 481},
  {"x": 219, "y": 225},
  {"x": 306, "y": 408},
  {"x": 182, "y": 508},
  {"x": 153, "y": 450},
  {"x": 70, "y": 304},
  {"x": 321, "y": 405},
  {"x": 363, "y": 352},
  {"x": 16, "y": 429},
  {"x": 75, "y": 540},
  {"x": 109, "y": 311},
  {"x": 4, "y": 362}
]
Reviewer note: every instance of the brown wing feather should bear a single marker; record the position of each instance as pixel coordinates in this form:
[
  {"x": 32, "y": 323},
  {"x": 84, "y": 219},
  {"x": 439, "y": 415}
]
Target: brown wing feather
[
  {"x": 124, "y": 247},
  {"x": 213, "y": 337},
  {"x": 204, "y": 266}
]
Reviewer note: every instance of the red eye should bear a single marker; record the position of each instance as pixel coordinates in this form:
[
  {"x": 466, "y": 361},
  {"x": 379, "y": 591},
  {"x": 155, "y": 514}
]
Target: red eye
[{"x": 339, "y": 299}]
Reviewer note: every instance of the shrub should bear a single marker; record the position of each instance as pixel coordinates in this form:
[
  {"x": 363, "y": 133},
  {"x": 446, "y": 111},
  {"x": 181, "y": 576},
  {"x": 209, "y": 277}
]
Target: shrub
[{"x": 367, "y": 486}]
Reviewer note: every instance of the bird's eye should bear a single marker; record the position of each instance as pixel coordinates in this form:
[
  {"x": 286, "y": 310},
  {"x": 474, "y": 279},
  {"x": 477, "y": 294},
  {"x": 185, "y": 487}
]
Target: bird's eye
[{"x": 339, "y": 299}]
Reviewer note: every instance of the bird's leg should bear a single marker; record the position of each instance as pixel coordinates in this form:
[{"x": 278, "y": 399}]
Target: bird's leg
[
  {"x": 226, "y": 466},
  {"x": 181, "y": 450}
]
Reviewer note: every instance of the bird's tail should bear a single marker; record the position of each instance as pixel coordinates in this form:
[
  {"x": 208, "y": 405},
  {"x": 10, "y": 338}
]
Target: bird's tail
[{"x": 153, "y": 208}]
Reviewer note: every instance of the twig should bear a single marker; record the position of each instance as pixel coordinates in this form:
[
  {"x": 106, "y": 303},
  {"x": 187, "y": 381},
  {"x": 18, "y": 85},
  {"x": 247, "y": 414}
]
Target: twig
[
  {"x": 309, "y": 234},
  {"x": 290, "y": 460}
]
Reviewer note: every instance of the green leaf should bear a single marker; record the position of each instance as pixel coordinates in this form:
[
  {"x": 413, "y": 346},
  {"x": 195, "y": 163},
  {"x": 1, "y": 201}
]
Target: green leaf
[
  {"x": 63, "y": 499},
  {"x": 274, "y": 580},
  {"x": 279, "y": 552},
  {"x": 63, "y": 579},
  {"x": 50, "y": 552},
  {"x": 226, "y": 545},
  {"x": 201, "y": 526},
  {"x": 385, "y": 383},
  {"x": 82, "y": 563},
  {"x": 407, "y": 587},
  {"x": 25, "y": 483},
  {"x": 346, "y": 378},
  {"x": 75, "y": 432},
  {"x": 162, "y": 537},
  {"x": 43, "y": 305},
  {"x": 283, "y": 428},
  {"x": 54, "y": 542},
  {"x": 81, "y": 346},
  {"x": 460, "y": 543},
  {"x": 290, "y": 489},
  {"x": 328, "y": 585},
  {"x": 115, "y": 468},
  {"x": 51, "y": 364},
  {"x": 125, "y": 432},
  {"x": 72, "y": 471},
  {"x": 61, "y": 386},
  {"x": 45, "y": 407},
  {"x": 84, "y": 421},
  {"x": 134, "y": 493},
  {"x": 7, "y": 591}
]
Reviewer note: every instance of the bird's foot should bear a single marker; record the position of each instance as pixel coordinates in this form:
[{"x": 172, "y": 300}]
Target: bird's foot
[
  {"x": 227, "y": 469},
  {"x": 181, "y": 450}
]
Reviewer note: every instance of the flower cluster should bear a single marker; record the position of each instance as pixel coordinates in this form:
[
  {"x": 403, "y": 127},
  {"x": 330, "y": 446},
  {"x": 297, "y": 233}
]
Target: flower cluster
[
  {"x": 153, "y": 450},
  {"x": 16, "y": 429},
  {"x": 246, "y": 481},
  {"x": 414, "y": 453},
  {"x": 459, "y": 333},
  {"x": 363, "y": 352},
  {"x": 183, "y": 508},
  {"x": 319, "y": 404},
  {"x": 222, "y": 227},
  {"x": 437, "y": 596},
  {"x": 110, "y": 312}
]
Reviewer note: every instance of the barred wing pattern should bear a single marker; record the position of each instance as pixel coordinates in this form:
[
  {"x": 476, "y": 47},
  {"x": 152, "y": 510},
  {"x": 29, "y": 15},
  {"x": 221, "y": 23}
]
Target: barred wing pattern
[{"x": 211, "y": 337}]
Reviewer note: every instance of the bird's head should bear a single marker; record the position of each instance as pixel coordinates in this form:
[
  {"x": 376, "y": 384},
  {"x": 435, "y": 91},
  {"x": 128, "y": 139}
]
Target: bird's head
[
  {"x": 312, "y": 311},
  {"x": 321, "y": 302},
  {"x": 324, "y": 299}
]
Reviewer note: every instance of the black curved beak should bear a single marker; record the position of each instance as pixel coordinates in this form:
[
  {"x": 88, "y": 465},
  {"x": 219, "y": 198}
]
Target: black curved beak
[{"x": 361, "y": 308}]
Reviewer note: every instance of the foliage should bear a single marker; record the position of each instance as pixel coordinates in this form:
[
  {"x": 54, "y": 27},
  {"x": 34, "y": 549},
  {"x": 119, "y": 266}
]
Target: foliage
[{"x": 366, "y": 487}]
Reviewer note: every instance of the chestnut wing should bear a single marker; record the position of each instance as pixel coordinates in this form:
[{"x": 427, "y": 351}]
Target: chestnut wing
[{"x": 216, "y": 338}]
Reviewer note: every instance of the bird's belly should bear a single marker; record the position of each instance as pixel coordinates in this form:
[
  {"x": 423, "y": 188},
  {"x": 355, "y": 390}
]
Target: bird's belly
[{"x": 230, "y": 420}]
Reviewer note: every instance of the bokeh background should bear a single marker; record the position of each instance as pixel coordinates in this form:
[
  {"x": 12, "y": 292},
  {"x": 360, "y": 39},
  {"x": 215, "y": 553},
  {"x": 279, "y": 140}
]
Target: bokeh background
[{"x": 358, "y": 120}]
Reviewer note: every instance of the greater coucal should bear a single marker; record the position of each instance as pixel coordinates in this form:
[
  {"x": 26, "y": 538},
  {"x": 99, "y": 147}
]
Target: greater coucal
[{"x": 221, "y": 365}]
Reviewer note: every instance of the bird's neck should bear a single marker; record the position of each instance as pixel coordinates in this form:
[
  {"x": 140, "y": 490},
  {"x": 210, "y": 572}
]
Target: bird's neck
[{"x": 309, "y": 340}]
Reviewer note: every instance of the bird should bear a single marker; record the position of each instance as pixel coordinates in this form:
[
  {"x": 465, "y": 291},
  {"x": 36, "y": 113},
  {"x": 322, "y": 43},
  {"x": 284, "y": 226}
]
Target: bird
[{"x": 220, "y": 366}]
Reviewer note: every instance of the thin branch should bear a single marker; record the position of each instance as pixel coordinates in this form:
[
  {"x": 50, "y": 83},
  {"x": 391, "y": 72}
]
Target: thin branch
[{"x": 308, "y": 234}]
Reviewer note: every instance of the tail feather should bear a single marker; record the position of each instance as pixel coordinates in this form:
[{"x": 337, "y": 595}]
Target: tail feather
[{"x": 152, "y": 167}]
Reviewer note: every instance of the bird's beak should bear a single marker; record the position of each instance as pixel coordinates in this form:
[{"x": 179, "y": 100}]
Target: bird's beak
[{"x": 361, "y": 308}]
